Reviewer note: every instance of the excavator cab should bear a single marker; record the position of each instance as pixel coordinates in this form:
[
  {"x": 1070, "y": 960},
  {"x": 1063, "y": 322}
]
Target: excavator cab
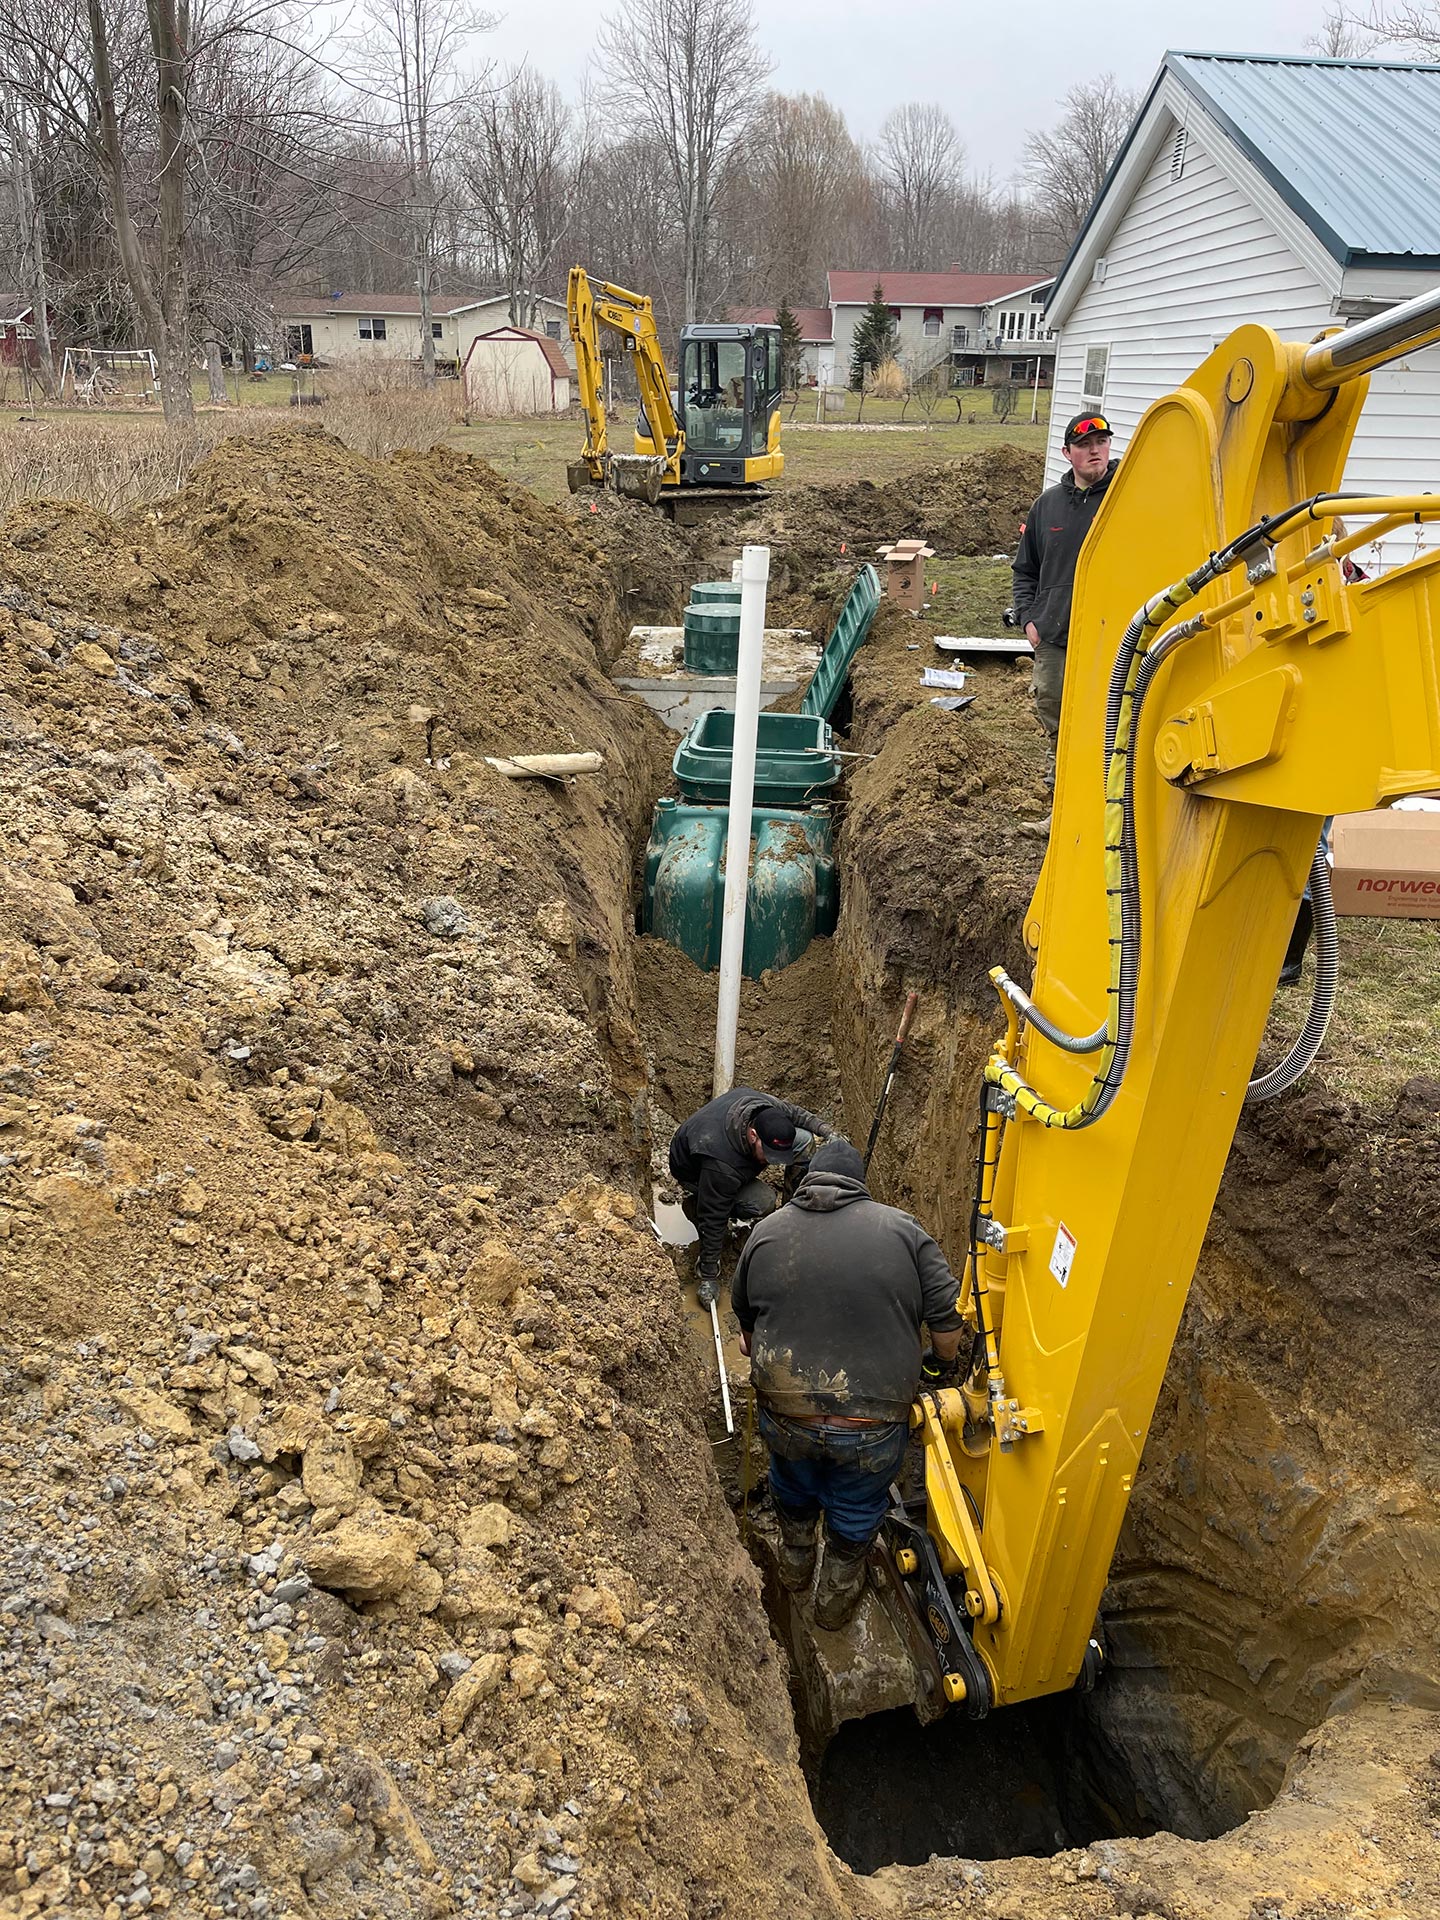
[{"x": 729, "y": 405}]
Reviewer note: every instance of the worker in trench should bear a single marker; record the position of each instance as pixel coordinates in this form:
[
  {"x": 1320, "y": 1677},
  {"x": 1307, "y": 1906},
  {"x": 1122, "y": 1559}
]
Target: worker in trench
[
  {"x": 831, "y": 1293},
  {"x": 716, "y": 1157},
  {"x": 1044, "y": 567}
]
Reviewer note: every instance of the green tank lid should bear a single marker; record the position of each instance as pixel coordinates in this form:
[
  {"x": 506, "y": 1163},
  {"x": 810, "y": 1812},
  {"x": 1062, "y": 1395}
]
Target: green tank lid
[
  {"x": 795, "y": 761},
  {"x": 846, "y": 638},
  {"x": 724, "y": 593}
]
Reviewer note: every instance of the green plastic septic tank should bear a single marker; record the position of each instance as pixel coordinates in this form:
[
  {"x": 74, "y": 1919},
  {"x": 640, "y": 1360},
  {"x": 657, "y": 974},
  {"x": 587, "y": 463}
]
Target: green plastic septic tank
[
  {"x": 793, "y": 895},
  {"x": 722, "y": 593},
  {"x": 795, "y": 761},
  {"x": 712, "y": 636}
]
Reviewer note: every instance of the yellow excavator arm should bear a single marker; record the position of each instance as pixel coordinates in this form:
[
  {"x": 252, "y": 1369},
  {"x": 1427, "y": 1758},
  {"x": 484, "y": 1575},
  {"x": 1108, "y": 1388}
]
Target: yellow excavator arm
[
  {"x": 1226, "y": 689},
  {"x": 631, "y": 317}
]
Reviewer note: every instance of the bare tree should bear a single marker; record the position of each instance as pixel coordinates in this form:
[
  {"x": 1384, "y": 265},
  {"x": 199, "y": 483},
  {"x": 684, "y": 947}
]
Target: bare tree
[
  {"x": 921, "y": 159},
  {"x": 267, "y": 181},
  {"x": 622, "y": 226},
  {"x": 1412, "y": 25},
  {"x": 1341, "y": 36},
  {"x": 29, "y": 245},
  {"x": 117, "y": 76},
  {"x": 688, "y": 73},
  {"x": 513, "y": 162},
  {"x": 1066, "y": 167},
  {"x": 793, "y": 206},
  {"x": 415, "y": 57}
]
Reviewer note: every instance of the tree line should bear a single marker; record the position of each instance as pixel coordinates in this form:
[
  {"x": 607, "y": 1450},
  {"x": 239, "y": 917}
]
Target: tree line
[{"x": 166, "y": 165}]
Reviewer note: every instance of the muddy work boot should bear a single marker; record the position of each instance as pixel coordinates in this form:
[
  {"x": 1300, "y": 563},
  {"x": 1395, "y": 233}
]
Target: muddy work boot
[
  {"x": 842, "y": 1580},
  {"x": 796, "y": 1559}
]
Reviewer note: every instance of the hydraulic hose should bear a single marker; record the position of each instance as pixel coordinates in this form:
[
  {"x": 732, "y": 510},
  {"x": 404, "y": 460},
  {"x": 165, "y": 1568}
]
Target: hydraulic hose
[
  {"x": 1322, "y": 1001},
  {"x": 1121, "y": 880},
  {"x": 1130, "y": 677}
]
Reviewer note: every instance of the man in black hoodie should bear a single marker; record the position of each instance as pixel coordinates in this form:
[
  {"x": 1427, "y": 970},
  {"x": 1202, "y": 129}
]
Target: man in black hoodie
[
  {"x": 1044, "y": 568},
  {"x": 716, "y": 1157},
  {"x": 831, "y": 1293}
]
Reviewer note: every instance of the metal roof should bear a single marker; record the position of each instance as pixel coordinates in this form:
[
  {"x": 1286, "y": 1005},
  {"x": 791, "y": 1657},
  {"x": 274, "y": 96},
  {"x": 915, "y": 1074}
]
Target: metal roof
[{"x": 1351, "y": 146}]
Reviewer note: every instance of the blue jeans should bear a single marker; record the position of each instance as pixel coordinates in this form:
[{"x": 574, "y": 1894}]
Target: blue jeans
[{"x": 845, "y": 1472}]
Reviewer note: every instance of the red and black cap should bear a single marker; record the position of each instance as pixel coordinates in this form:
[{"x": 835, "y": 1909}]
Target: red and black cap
[
  {"x": 1087, "y": 426},
  {"x": 781, "y": 1141}
]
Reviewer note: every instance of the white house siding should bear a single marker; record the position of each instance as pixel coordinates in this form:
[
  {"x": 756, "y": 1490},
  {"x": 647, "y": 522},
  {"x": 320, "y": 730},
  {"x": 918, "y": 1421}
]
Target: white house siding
[
  {"x": 1189, "y": 260},
  {"x": 336, "y": 336},
  {"x": 470, "y": 322},
  {"x": 915, "y": 347}
]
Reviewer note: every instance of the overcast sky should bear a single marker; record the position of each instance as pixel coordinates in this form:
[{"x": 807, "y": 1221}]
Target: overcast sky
[{"x": 997, "y": 68}]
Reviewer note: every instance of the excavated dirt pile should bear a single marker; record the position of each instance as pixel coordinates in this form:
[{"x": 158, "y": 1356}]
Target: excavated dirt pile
[
  {"x": 362, "y": 1553},
  {"x": 971, "y": 505}
]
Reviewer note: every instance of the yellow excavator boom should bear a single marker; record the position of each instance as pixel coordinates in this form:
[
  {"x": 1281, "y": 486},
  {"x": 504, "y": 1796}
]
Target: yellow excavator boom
[
  {"x": 592, "y": 306},
  {"x": 1225, "y": 690}
]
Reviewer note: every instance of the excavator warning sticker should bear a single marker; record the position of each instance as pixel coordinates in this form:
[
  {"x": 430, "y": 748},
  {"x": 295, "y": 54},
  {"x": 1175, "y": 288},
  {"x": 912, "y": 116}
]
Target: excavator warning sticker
[{"x": 1063, "y": 1254}]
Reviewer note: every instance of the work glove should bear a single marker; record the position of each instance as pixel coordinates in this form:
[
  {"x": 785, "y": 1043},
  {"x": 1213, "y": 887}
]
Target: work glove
[
  {"x": 935, "y": 1372},
  {"x": 707, "y": 1275}
]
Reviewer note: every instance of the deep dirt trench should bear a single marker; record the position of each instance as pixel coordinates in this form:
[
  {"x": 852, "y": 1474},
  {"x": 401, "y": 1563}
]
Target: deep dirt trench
[
  {"x": 1262, "y": 1584},
  {"x": 365, "y": 1543}
]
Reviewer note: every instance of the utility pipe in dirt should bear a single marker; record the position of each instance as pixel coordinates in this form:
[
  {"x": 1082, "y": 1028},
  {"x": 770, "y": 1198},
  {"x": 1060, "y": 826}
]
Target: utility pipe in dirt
[{"x": 754, "y": 577}]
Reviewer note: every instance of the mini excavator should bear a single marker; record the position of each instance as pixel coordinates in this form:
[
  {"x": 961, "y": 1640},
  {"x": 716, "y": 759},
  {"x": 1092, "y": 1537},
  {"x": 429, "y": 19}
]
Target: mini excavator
[
  {"x": 1227, "y": 688},
  {"x": 712, "y": 445}
]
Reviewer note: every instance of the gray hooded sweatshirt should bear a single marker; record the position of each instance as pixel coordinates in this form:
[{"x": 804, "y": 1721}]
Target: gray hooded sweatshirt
[{"x": 833, "y": 1290}]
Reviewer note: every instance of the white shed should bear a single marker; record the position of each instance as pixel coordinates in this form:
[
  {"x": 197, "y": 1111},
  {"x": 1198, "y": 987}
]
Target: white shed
[
  {"x": 1301, "y": 193},
  {"x": 510, "y": 370}
]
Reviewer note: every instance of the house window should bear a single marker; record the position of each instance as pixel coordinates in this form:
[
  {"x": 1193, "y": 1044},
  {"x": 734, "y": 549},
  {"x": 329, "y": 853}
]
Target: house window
[
  {"x": 934, "y": 317},
  {"x": 552, "y": 329},
  {"x": 959, "y": 336},
  {"x": 1038, "y": 299},
  {"x": 437, "y": 329},
  {"x": 1019, "y": 323},
  {"x": 895, "y": 315},
  {"x": 1097, "y": 367},
  {"x": 299, "y": 341},
  {"x": 1022, "y": 371},
  {"x": 372, "y": 327}
]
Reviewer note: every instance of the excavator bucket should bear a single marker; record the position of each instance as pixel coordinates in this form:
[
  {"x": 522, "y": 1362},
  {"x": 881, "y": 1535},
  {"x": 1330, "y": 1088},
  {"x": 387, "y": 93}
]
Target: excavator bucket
[
  {"x": 881, "y": 1659},
  {"x": 638, "y": 476},
  {"x": 578, "y": 473}
]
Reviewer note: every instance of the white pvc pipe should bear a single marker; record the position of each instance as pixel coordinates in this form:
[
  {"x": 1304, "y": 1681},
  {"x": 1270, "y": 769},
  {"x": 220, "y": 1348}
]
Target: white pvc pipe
[
  {"x": 754, "y": 577},
  {"x": 724, "y": 1373}
]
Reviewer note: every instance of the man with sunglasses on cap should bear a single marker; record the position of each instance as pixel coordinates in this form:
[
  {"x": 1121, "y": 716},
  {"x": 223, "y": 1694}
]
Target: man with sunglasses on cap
[
  {"x": 1044, "y": 566},
  {"x": 715, "y": 1159}
]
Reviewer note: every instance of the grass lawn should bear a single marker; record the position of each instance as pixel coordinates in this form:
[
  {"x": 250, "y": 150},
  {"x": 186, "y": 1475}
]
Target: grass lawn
[{"x": 535, "y": 452}]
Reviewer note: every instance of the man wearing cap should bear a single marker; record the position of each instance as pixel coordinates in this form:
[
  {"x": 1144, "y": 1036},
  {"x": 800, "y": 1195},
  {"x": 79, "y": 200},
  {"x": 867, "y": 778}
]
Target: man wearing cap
[
  {"x": 831, "y": 1293},
  {"x": 716, "y": 1157},
  {"x": 1044, "y": 568}
]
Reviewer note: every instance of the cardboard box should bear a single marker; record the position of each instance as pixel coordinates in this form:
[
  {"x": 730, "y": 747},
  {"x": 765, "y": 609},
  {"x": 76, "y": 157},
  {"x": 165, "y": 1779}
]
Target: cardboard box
[{"x": 1386, "y": 863}]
